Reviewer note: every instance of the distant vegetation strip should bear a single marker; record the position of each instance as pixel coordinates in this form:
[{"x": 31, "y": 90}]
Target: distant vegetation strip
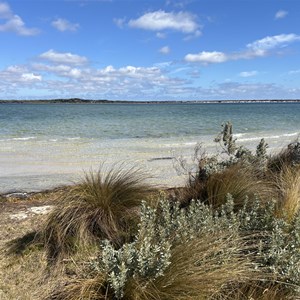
[{"x": 102, "y": 101}]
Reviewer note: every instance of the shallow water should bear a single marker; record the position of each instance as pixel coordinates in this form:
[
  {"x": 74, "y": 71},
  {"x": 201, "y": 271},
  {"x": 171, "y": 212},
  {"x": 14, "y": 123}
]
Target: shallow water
[{"x": 45, "y": 145}]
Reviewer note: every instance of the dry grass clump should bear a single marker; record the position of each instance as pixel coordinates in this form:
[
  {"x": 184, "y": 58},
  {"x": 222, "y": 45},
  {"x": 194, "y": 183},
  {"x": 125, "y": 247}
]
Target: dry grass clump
[
  {"x": 102, "y": 206},
  {"x": 81, "y": 289},
  {"x": 236, "y": 180},
  {"x": 286, "y": 184},
  {"x": 258, "y": 291}
]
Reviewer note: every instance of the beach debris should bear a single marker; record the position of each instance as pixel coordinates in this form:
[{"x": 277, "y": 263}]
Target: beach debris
[
  {"x": 41, "y": 210},
  {"x": 19, "y": 216},
  {"x": 30, "y": 211},
  {"x": 17, "y": 195}
]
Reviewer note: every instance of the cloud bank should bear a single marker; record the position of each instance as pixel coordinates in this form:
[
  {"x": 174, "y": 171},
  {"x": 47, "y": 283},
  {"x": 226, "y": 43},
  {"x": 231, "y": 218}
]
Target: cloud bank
[{"x": 13, "y": 22}]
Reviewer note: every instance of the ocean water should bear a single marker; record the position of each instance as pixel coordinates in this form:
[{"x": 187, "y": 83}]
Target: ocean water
[{"x": 45, "y": 145}]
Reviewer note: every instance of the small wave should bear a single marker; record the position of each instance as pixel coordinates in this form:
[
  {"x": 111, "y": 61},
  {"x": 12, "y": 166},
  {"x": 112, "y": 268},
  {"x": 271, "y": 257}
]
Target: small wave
[
  {"x": 23, "y": 138},
  {"x": 291, "y": 134},
  {"x": 258, "y": 138},
  {"x": 19, "y": 139},
  {"x": 73, "y": 138},
  {"x": 237, "y": 135},
  {"x": 268, "y": 137}
]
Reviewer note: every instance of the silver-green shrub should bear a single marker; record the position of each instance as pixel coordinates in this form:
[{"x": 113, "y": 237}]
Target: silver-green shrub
[
  {"x": 281, "y": 253},
  {"x": 160, "y": 230},
  {"x": 274, "y": 245},
  {"x": 277, "y": 241}
]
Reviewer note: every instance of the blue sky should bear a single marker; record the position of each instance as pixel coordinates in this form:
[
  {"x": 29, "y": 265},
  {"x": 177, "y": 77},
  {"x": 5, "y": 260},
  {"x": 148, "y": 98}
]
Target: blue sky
[{"x": 150, "y": 50}]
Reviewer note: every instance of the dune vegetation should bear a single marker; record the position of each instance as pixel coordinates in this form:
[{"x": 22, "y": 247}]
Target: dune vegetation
[{"x": 233, "y": 232}]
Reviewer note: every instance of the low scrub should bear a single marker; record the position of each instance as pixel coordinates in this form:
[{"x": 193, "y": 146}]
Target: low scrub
[
  {"x": 197, "y": 253},
  {"x": 238, "y": 171}
]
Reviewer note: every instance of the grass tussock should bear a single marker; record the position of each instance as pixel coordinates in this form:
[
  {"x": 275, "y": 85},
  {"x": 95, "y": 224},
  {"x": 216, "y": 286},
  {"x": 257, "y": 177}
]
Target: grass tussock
[
  {"x": 81, "y": 289},
  {"x": 287, "y": 186},
  {"x": 258, "y": 291},
  {"x": 241, "y": 183},
  {"x": 102, "y": 206}
]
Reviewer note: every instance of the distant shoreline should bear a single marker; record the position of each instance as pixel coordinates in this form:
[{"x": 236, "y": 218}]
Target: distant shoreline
[{"x": 87, "y": 101}]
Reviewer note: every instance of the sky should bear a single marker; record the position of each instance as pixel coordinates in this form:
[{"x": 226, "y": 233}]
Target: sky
[{"x": 150, "y": 50}]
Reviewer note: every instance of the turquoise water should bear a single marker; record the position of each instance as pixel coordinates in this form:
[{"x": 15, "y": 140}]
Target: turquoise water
[{"x": 42, "y": 145}]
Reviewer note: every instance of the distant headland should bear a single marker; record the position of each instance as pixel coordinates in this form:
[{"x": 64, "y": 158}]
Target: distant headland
[{"x": 102, "y": 101}]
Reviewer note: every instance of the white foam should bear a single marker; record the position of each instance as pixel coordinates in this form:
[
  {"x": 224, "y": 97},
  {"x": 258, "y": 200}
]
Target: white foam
[
  {"x": 292, "y": 134},
  {"x": 268, "y": 137},
  {"x": 237, "y": 135},
  {"x": 19, "y": 139},
  {"x": 74, "y": 138},
  {"x": 23, "y": 138}
]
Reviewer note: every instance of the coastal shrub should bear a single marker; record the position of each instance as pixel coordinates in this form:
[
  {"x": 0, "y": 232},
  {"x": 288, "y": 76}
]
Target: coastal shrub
[
  {"x": 102, "y": 206},
  {"x": 235, "y": 170},
  {"x": 289, "y": 156},
  {"x": 238, "y": 171},
  {"x": 192, "y": 253},
  {"x": 198, "y": 253}
]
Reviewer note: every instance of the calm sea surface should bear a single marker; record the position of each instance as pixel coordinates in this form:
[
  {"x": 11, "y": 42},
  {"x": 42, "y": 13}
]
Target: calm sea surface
[{"x": 43, "y": 145}]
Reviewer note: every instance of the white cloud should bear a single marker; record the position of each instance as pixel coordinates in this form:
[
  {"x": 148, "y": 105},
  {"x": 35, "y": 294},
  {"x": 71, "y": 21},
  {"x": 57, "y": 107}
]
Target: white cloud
[
  {"x": 258, "y": 48},
  {"x": 119, "y": 22},
  {"x": 64, "y": 58},
  {"x": 271, "y": 42},
  {"x": 15, "y": 78},
  {"x": 52, "y": 68},
  {"x": 292, "y": 72},
  {"x": 196, "y": 34},
  {"x": 248, "y": 73},
  {"x": 15, "y": 69},
  {"x": 14, "y": 23},
  {"x": 64, "y": 25},
  {"x": 207, "y": 57},
  {"x": 75, "y": 73},
  {"x": 5, "y": 11},
  {"x": 128, "y": 83},
  {"x": 161, "y": 20},
  {"x": 160, "y": 35},
  {"x": 281, "y": 14},
  {"x": 31, "y": 77},
  {"x": 165, "y": 50},
  {"x": 59, "y": 70}
]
